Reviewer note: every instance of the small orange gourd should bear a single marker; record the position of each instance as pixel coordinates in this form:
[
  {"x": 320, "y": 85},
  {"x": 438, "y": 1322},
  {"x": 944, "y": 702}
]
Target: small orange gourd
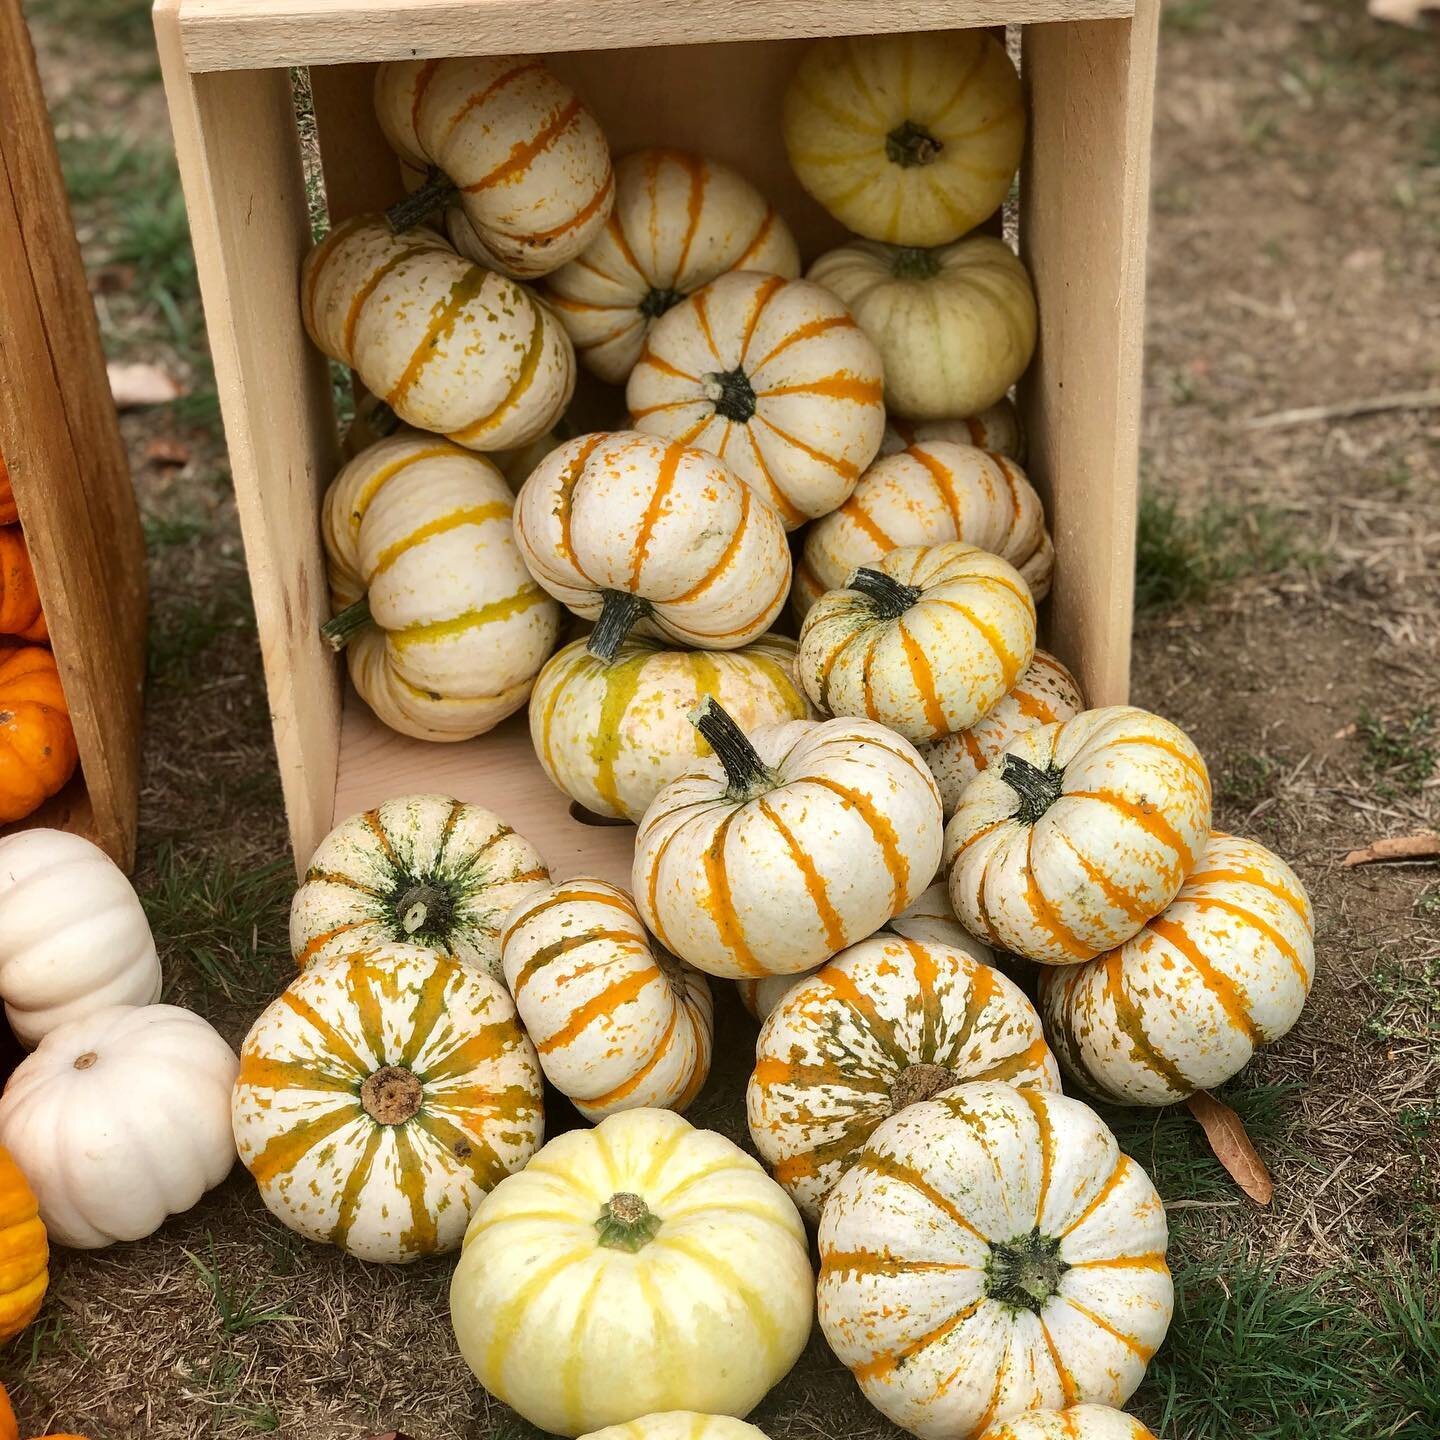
[
  {"x": 37, "y": 743},
  {"x": 9, "y": 512},
  {"x": 9, "y": 1428},
  {"x": 20, "y": 612},
  {"x": 24, "y": 1253}
]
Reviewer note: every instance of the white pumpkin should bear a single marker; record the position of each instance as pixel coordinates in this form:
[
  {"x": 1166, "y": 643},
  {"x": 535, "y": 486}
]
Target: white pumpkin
[
  {"x": 418, "y": 870},
  {"x": 996, "y": 428},
  {"x": 934, "y": 492},
  {"x": 885, "y": 1024},
  {"x": 119, "y": 1119},
  {"x": 651, "y": 1265},
  {"x": 955, "y": 327},
  {"x": 679, "y": 1425},
  {"x": 73, "y": 936},
  {"x": 989, "y": 1252},
  {"x": 1077, "y": 1422},
  {"x": 1045, "y": 694},
  {"x": 774, "y": 377},
  {"x": 680, "y": 220},
  {"x": 618, "y": 1024},
  {"x": 1079, "y": 834},
  {"x": 787, "y": 846},
  {"x": 443, "y": 628},
  {"x": 380, "y": 1096}
]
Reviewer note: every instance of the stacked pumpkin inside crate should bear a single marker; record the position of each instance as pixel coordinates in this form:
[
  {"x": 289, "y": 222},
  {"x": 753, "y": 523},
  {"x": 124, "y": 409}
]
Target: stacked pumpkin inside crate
[{"x": 862, "y": 824}]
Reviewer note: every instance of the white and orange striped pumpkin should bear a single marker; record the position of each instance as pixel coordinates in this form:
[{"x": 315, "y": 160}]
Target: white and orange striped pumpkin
[
  {"x": 1076, "y": 1422},
  {"x": 679, "y": 1425},
  {"x": 997, "y": 429},
  {"x": 926, "y": 640},
  {"x": 885, "y": 1024},
  {"x": 625, "y": 527},
  {"x": 931, "y": 493},
  {"x": 420, "y": 870},
  {"x": 1044, "y": 695},
  {"x": 1224, "y": 969},
  {"x": 775, "y": 377},
  {"x": 680, "y": 220},
  {"x": 523, "y": 163},
  {"x": 443, "y": 628},
  {"x": 617, "y": 1023},
  {"x": 989, "y": 1252},
  {"x": 786, "y": 846},
  {"x": 1078, "y": 834},
  {"x": 612, "y": 736},
  {"x": 449, "y": 346},
  {"x": 380, "y": 1096}
]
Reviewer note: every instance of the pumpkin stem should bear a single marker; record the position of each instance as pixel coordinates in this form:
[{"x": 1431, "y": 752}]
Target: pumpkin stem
[
  {"x": 914, "y": 262},
  {"x": 619, "y": 612},
  {"x": 340, "y": 629},
  {"x": 920, "y": 1082},
  {"x": 731, "y": 392},
  {"x": 1025, "y": 1272},
  {"x": 381, "y": 420},
  {"x": 887, "y": 596},
  {"x": 744, "y": 768},
  {"x": 420, "y": 204},
  {"x": 422, "y": 906},
  {"x": 85, "y": 1061},
  {"x": 1038, "y": 789},
  {"x": 910, "y": 144},
  {"x": 626, "y": 1222},
  {"x": 392, "y": 1095},
  {"x": 658, "y": 300}
]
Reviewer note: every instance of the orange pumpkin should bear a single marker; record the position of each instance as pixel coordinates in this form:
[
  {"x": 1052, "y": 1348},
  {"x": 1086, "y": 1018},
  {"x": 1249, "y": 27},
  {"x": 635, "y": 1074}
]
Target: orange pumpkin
[
  {"x": 9, "y": 1427},
  {"x": 20, "y": 612},
  {"x": 24, "y": 1251},
  {"x": 9, "y": 513},
  {"x": 37, "y": 744}
]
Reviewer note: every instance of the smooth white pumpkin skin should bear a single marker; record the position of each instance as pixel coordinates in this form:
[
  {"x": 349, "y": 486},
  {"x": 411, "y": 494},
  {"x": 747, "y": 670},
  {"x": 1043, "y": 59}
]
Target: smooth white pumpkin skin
[
  {"x": 996, "y": 428},
  {"x": 618, "y": 1024},
  {"x": 451, "y": 347},
  {"x": 1045, "y": 694},
  {"x": 955, "y": 327},
  {"x": 421, "y": 529},
  {"x": 73, "y": 936},
  {"x": 1224, "y": 969},
  {"x": 940, "y": 664},
  {"x": 423, "y": 870},
  {"x": 813, "y": 380},
  {"x": 612, "y": 736},
  {"x": 329, "y": 1168},
  {"x": 932, "y": 493},
  {"x": 1130, "y": 820},
  {"x": 680, "y": 1425},
  {"x": 1077, "y": 1422},
  {"x": 120, "y": 1119},
  {"x": 842, "y": 836},
  {"x": 836, "y": 1055},
  {"x": 530, "y": 161},
  {"x": 707, "y": 1316},
  {"x": 932, "y": 1199},
  {"x": 680, "y": 220}
]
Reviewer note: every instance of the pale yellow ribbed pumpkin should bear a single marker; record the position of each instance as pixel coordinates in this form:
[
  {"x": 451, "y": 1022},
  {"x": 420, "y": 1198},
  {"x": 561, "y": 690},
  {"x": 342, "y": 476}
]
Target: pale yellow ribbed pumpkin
[
  {"x": 997, "y": 429},
  {"x": 1076, "y": 1422},
  {"x": 679, "y": 1425}
]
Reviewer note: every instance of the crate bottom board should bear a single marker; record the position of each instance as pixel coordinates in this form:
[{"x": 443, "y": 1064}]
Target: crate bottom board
[{"x": 498, "y": 770}]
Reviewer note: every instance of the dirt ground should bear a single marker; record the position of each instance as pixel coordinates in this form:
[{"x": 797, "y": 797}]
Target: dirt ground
[{"x": 1290, "y": 567}]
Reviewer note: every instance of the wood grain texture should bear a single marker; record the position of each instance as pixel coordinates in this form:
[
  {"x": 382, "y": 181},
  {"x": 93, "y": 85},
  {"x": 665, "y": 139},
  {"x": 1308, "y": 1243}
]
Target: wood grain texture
[
  {"x": 239, "y": 157},
  {"x": 1084, "y": 200},
  {"x": 67, "y": 464},
  {"x": 240, "y": 34}
]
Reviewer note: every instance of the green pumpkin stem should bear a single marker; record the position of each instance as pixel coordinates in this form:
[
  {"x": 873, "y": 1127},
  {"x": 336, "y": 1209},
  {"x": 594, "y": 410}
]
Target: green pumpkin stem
[
  {"x": 910, "y": 144},
  {"x": 620, "y": 611},
  {"x": 744, "y": 768},
  {"x": 659, "y": 299},
  {"x": 914, "y": 262},
  {"x": 419, "y": 906},
  {"x": 381, "y": 420},
  {"x": 417, "y": 207},
  {"x": 731, "y": 392},
  {"x": 887, "y": 596},
  {"x": 341, "y": 629},
  {"x": 1038, "y": 789},
  {"x": 626, "y": 1223},
  {"x": 1024, "y": 1273}
]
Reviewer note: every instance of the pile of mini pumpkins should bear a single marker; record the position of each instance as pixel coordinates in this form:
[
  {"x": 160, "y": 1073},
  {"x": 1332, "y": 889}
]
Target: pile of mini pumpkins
[{"x": 863, "y": 828}]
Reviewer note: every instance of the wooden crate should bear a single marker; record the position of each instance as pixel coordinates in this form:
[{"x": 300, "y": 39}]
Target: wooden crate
[
  {"x": 67, "y": 464},
  {"x": 1088, "y": 70}
]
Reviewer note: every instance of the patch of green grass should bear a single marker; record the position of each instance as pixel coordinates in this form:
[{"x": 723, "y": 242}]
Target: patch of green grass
[
  {"x": 50, "y": 1332},
  {"x": 163, "y": 532},
  {"x": 1428, "y": 905},
  {"x": 220, "y": 1383},
  {"x": 1408, "y": 1013},
  {"x": 184, "y": 627},
  {"x": 238, "y": 1311},
  {"x": 1188, "y": 16},
  {"x": 1244, "y": 780},
  {"x": 1401, "y": 754},
  {"x": 123, "y": 24}
]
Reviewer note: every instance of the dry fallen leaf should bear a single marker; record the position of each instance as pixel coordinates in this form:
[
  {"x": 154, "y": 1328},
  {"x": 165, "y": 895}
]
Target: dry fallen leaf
[
  {"x": 1403, "y": 12},
  {"x": 1424, "y": 846},
  {"x": 141, "y": 384},
  {"x": 1225, "y": 1131},
  {"x": 167, "y": 450}
]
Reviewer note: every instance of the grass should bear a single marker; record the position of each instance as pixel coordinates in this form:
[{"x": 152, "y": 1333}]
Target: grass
[
  {"x": 1245, "y": 779},
  {"x": 221, "y": 1383},
  {"x": 1408, "y": 1009},
  {"x": 1187, "y": 16},
  {"x": 238, "y": 1310},
  {"x": 184, "y": 627},
  {"x": 1401, "y": 754}
]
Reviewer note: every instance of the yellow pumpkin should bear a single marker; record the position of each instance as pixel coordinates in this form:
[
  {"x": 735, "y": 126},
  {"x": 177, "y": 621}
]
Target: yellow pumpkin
[
  {"x": 954, "y": 326},
  {"x": 612, "y": 736},
  {"x": 679, "y": 1425},
  {"x": 1184, "y": 1004},
  {"x": 925, "y": 641},
  {"x": 618, "y": 1024},
  {"x": 624, "y": 527},
  {"x": 773, "y": 376},
  {"x": 997, "y": 429},
  {"x": 24, "y": 1251},
  {"x": 912, "y": 139},
  {"x": 680, "y": 220},
  {"x": 932, "y": 492},
  {"x": 521, "y": 162},
  {"x": 447, "y": 345}
]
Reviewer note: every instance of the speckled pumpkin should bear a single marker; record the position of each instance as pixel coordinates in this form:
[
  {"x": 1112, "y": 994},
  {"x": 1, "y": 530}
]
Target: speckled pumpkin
[
  {"x": 20, "y": 612},
  {"x": 925, "y": 641},
  {"x": 885, "y": 1024},
  {"x": 1079, "y": 834},
  {"x": 1224, "y": 969},
  {"x": 934, "y": 492},
  {"x": 773, "y": 376},
  {"x": 997, "y": 429},
  {"x": 380, "y": 1096},
  {"x": 38, "y": 754},
  {"x": 680, "y": 220},
  {"x": 1078, "y": 1422}
]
